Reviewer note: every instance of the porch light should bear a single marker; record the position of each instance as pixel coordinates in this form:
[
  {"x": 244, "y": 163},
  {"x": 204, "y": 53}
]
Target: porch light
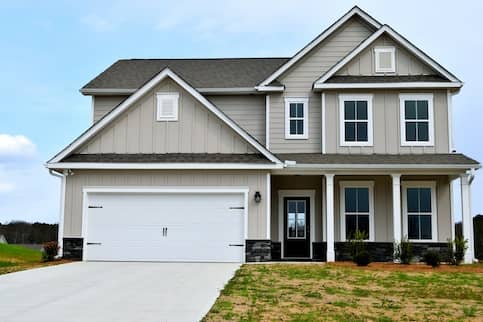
[{"x": 258, "y": 197}]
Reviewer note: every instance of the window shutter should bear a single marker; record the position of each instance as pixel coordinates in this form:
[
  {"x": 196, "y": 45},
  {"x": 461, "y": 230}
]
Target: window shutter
[{"x": 167, "y": 106}]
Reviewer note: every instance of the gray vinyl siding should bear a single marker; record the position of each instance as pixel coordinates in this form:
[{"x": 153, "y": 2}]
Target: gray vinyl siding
[
  {"x": 104, "y": 104},
  {"x": 298, "y": 82},
  {"x": 406, "y": 63},
  {"x": 254, "y": 180},
  {"x": 386, "y": 124},
  {"x": 197, "y": 130},
  {"x": 248, "y": 111}
]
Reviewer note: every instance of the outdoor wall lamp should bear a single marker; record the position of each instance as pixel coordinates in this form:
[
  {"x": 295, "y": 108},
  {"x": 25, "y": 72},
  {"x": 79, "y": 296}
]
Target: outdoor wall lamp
[{"x": 258, "y": 197}]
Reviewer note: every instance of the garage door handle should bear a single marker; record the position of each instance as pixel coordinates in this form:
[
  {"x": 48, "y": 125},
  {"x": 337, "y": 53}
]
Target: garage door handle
[
  {"x": 236, "y": 245},
  {"x": 95, "y": 207},
  {"x": 237, "y": 207},
  {"x": 94, "y": 243}
]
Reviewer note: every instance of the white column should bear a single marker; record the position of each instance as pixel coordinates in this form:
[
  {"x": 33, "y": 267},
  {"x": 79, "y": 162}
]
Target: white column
[
  {"x": 329, "y": 197},
  {"x": 396, "y": 207},
  {"x": 467, "y": 219},
  {"x": 268, "y": 200}
]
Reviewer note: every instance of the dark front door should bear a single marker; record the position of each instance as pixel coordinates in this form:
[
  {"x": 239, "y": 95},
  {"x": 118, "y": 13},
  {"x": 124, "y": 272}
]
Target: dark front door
[{"x": 296, "y": 227}]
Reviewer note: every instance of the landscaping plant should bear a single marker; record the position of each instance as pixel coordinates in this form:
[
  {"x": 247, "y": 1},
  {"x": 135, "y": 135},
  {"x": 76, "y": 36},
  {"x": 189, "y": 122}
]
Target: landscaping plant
[
  {"x": 432, "y": 258},
  {"x": 404, "y": 251},
  {"x": 460, "y": 247},
  {"x": 50, "y": 251},
  {"x": 359, "y": 252}
]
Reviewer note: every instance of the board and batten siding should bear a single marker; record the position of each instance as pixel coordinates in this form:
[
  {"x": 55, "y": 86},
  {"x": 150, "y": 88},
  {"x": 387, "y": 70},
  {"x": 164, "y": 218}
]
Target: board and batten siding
[
  {"x": 197, "y": 130},
  {"x": 298, "y": 82},
  {"x": 406, "y": 63},
  {"x": 248, "y": 111},
  {"x": 104, "y": 104},
  {"x": 386, "y": 124},
  {"x": 254, "y": 180}
]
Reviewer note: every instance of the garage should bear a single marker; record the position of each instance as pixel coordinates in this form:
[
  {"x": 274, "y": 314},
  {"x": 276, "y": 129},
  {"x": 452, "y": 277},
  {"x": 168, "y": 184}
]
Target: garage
[{"x": 172, "y": 225}]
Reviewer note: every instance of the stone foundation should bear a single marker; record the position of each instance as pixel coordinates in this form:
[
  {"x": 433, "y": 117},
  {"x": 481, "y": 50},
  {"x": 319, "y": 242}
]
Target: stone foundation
[{"x": 72, "y": 248}]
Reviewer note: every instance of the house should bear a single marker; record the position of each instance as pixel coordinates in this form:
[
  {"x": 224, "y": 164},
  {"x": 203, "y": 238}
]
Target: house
[{"x": 259, "y": 159}]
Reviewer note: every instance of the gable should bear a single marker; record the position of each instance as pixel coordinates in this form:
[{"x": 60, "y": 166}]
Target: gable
[{"x": 136, "y": 130}]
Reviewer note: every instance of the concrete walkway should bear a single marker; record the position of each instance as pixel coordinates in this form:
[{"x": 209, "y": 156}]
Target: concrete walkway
[{"x": 107, "y": 291}]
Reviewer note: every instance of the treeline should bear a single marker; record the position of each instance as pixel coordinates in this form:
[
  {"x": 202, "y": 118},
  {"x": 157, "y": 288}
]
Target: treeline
[{"x": 20, "y": 232}]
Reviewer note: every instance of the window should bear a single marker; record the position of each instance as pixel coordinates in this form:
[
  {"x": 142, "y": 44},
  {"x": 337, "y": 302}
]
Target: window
[
  {"x": 385, "y": 59},
  {"x": 167, "y": 106},
  {"x": 357, "y": 210},
  {"x": 419, "y": 210},
  {"x": 355, "y": 120},
  {"x": 416, "y": 119},
  {"x": 296, "y": 118},
  {"x": 296, "y": 218}
]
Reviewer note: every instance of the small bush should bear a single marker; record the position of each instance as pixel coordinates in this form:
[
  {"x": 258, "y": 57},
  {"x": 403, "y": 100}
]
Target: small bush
[
  {"x": 358, "y": 249},
  {"x": 50, "y": 251},
  {"x": 432, "y": 258},
  {"x": 457, "y": 250},
  {"x": 362, "y": 258},
  {"x": 404, "y": 251}
]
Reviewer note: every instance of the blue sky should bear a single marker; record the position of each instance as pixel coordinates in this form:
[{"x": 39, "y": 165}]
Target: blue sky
[{"x": 50, "y": 49}]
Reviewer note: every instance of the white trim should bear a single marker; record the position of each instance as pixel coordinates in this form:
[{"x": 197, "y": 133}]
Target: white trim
[
  {"x": 379, "y": 50},
  {"x": 355, "y": 97},
  {"x": 298, "y": 100},
  {"x": 93, "y": 109},
  {"x": 449, "y": 102},
  {"x": 355, "y": 10},
  {"x": 342, "y": 214},
  {"x": 402, "y": 118},
  {"x": 295, "y": 193},
  {"x": 355, "y": 166},
  {"x": 270, "y": 88},
  {"x": 323, "y": 130},
  {"x": 406, "y": 44},
  {"x": 155, "y": 190},
  {"x": 160, "y": 165},
  {"x": 434, "y": 210},
  {"x": 107, "y": 91},
  {"x": 268, "y": 201},
  {"x": 267, "y": 122},
  {"x": 226, "y": 90},
  {"x": 205, "y": 90},
  {"x": 60, "y": 232},
  {"x": 387, "y": 85},
  {"x": 142, "y": 91},
  {"x": 174, "y": 97}
]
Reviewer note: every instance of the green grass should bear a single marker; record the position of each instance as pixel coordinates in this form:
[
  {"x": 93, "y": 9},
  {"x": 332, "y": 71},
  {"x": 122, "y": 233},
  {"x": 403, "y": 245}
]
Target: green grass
[{"x": 16, "y": 258}]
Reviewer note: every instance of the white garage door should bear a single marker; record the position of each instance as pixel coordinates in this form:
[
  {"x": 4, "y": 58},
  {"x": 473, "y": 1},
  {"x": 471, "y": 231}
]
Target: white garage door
[{"x": 186, "y": 226}]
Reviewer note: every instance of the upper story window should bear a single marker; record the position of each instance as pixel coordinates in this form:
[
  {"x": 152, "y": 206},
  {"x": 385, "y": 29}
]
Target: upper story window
[
  {"x": 357, "y": 209},
  {"x": 385, "y": 59},
  {"x": 419, "y": 210},
  {"x": 416, "y": 119},
  {"x": 167, "y": 105},
  {"x": 355, "y": 120},
  {"x": 296, "y": 118}
]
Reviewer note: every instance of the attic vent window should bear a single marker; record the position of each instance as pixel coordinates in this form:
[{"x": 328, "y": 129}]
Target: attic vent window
[
  {"x": 385, "y": 59},
  {"x": 167, "y": 106}
]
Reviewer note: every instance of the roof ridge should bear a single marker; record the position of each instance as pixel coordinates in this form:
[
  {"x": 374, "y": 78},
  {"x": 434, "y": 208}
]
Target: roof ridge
[{"x": 213, "y": 58}]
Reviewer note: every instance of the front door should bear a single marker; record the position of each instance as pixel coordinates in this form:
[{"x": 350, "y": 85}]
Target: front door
[{"x": 296, "y": 227}]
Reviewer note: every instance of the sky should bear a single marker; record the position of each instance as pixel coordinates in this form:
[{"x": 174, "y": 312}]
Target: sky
[{"x": 50, "y": 49}]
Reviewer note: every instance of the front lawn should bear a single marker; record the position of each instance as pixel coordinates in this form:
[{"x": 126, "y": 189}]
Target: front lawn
[
  {"x": 16, "y": 258},
  {"x": 343, "y": 292}
]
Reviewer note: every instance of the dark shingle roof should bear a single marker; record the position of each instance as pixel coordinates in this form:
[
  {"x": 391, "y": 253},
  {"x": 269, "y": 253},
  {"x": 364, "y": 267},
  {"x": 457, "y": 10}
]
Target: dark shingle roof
[
  {"x": 386, "y": 79},
  {"x": 386, "y": 159},
  {"x": 200, "y": 73},
  {"x": 168, "y": 157}
]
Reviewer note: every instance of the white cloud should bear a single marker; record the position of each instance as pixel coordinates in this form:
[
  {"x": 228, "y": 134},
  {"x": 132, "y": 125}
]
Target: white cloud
[
  {"x": 97, "y": 23},
  {"x": 13, "y": 146},
  {"x": 6, "y": 187}
]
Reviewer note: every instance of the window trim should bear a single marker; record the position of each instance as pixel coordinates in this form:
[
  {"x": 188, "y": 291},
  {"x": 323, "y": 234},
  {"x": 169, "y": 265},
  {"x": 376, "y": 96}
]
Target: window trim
[
  {"x": 386, "y": 49},
  {"x": 355, "y": 97},
  {"x": 434, "y": 210},
  {"x": 402, "y": 118},
  {"x": 342, "y": 212},
  {"x": 305, "y": 102},
  {"x": 163, "y": 95}
]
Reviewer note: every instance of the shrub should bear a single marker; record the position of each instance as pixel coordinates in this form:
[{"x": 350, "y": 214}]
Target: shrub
[
  {"x": 432, "y": 258},
  {"x": 362, "y": 258},
  {"x": 404, "y": 251},
  {"x": 457, "y": 250},
  {"x": 358, "y": 249},
  {"x": 50, "y": 251}
]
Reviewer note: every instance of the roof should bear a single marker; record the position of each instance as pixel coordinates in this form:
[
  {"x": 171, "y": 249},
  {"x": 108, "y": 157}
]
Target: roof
[
  {"x": 131, "y": 74},
  {"x": 386, "y": 79},
  {"x": 169, "y": 157}
]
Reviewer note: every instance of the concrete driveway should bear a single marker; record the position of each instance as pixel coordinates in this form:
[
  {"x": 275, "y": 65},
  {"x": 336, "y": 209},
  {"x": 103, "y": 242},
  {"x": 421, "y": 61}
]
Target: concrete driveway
[{"x": 107, "y": 291}]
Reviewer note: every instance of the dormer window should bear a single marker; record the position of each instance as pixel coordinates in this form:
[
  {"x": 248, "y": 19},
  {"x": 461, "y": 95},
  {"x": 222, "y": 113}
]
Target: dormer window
[
  {"x": 167, "y": 106},
  {"x": 385, "y": 59}
]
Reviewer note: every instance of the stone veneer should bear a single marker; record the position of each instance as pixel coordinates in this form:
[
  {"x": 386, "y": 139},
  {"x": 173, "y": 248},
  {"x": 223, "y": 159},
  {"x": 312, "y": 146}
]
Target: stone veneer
[{"x": 72, "y": 248}]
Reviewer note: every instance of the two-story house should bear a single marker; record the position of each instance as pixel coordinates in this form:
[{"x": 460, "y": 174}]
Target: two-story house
[{"x": 259, "y": 159}]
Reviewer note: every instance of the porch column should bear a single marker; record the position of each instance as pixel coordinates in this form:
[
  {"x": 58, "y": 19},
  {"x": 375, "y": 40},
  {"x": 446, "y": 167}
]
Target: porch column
[
  {"x": 396, "y": 207},
  {"x": 467, "y": 220},
  {"x": 329, "y": 197}
]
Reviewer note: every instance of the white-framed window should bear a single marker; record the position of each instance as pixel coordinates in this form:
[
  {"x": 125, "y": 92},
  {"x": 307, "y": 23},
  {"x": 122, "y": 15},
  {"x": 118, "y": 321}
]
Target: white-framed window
[
  {"x": 419, "y": 210},
  {"x": 356, "y": 209},
  {"x": 416, "y": 119},
  {"x": 296, "y": 118},
  {"x": 355, "y": 115},
  {"x": 167, "y": 105},
  {"x": 385, "y": 59}
]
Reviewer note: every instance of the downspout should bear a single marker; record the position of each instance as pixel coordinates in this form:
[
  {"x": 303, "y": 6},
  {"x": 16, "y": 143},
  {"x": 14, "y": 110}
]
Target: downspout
[{"x": 60, "y": 234}]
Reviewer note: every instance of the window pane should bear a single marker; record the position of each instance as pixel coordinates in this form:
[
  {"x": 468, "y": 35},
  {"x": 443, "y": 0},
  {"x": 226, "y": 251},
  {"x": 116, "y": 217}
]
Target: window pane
[
  {"x": 349, "y": 110},
  {"x": 363, "y": 224},
  {"x": 301, "y": 207},
  {"x": 425, "y": 225},
  {"x": 293, "y": 110},
  {"x": 424, "y": 200},
  {"x": 413, "y": 227},
  {"x": 410, "y": 110},
  {"x": 350, "y": 131},
  {"x": 300, "y": 225},
  {"x": 410, "y": 131},
  {"x": 292, "y": 206},
  {"x": 413, "y": 199},
  {"x": 362, "y": 199},
  {"x": 423, "y": 131},
  {"x": 422, "y": 110},
  {"x": 293, "y": 126},
  {"x": 291, "y": 225},
  {"x": 300, "y": 110},
  {"x": 350, "y": 226},
  {"x": 362, "y": 110},
  {"x": 350, "y": 199},
  {"x": 300, "y": 127},
  {"x": 362, "y": 132}
]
